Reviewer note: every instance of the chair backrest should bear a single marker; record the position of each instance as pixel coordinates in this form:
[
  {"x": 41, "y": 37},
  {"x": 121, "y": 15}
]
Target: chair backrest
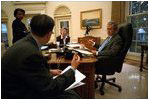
[{"x": 126, "y": 33}]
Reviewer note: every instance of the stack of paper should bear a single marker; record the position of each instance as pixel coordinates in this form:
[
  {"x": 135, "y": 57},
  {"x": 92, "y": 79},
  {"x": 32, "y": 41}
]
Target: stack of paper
[
  {"x": 84, "y": 51},
  {"x": 44, "y": 47},
  {"x": 78, "y": 78},
  {"x": 73, "y": 45},
  {"x": 54, "y": 50}
]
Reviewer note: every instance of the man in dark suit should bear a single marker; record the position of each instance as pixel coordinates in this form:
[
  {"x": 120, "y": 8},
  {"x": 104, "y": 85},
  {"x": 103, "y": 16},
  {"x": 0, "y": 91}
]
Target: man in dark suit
[
  {"x": 19, "y": 28},
  {"x": 26, "y": 74},
  {"x": 63, "y": 38},
  {"x": 111, "y": 46}
]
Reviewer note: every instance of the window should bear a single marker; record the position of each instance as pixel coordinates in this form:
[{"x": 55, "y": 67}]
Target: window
[
  {"x": 62, "y": 17},
  {"x": 4, "y": 36},
  {"x": 64, "y": 24},
  {"x": 138, "y": 16}
]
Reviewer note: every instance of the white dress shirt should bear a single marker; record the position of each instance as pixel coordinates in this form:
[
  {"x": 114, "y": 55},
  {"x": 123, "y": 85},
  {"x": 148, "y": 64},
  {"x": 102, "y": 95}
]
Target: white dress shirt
[{"x": 104, "y": 44}]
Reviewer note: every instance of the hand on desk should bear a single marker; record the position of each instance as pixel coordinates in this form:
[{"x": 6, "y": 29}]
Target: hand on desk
[
  {"x": 55, "y": 72},
  {"x": 94, "y": 52},
  {"x": 91, "y": 41},
  {"x": 75, "y": 61}
]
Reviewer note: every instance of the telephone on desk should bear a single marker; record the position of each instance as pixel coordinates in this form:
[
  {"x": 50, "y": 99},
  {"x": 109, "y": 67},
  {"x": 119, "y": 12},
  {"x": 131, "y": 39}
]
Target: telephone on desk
[{"x": 69, "y": 53}]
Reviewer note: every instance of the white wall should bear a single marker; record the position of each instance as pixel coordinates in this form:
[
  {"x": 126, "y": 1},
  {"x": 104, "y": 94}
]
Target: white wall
[
  {"x": 76, "y": 8},
  {"x": 8, "y": 8},
  {"x": 30, "y": 8}
]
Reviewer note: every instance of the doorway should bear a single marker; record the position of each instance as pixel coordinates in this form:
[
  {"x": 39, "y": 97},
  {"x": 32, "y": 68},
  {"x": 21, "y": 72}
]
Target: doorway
[
  {"x": 63, "y": 22},
  {"x": 62, "y": 17}
]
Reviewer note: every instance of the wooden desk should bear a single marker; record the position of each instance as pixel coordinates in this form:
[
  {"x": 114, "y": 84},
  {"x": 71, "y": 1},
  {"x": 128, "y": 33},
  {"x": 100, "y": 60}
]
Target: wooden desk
[
  {"x": 86, "y": 67},
  {"x": 85, "y": 41},
  {"x": 144, "y": 48}
]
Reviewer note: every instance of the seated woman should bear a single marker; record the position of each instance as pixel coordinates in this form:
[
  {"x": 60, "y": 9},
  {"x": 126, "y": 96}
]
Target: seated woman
[{"x": 63, "y": 39}]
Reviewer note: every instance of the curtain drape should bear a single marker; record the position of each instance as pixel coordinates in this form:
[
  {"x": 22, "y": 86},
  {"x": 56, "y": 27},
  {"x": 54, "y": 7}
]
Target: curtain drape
[{"x": 118, "y": 11}]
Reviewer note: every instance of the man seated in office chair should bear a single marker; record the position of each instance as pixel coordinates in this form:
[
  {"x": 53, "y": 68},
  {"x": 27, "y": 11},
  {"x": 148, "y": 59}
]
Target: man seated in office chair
[
  {"x": 63, "y": 39},
  {"x": 111, "y": 45},
  {"x": 25, "y": 74}
]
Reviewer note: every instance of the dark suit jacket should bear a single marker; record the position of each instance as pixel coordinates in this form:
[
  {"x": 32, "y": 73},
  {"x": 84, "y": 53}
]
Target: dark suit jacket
[
  {"x": 112, "y": 48},
  {"x": 19, "y": 30},
  {"x": 25, "y": 73},
  {"x": 61, "y": 40}
]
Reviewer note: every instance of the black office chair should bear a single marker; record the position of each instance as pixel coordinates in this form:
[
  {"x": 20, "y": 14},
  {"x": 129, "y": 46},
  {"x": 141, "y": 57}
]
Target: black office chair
[{"x": 110, "y": 65}]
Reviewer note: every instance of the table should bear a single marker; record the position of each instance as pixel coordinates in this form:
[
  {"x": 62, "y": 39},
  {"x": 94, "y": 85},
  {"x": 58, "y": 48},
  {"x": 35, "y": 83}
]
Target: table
[
  {"x": 86, "y": 67},
  {"x": 144, "y": 48},
  {"x": 85, "y": 41}
]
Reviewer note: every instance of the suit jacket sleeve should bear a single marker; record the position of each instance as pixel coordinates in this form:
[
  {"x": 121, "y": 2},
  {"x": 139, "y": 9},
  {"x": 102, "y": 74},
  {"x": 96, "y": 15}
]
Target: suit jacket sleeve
[
  {"x": 96, "y": 45},
  {"x": 58, "y": 39},
  {"x": 113, "y": 49},
  {"x": 67, "y": 40},
  {"x": 36, "y": 74},
  {"x": 19, "y": 29}
]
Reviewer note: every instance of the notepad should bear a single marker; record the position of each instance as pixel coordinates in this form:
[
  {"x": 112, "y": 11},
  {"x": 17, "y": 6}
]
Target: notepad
[{"x": 78, "y": 78}]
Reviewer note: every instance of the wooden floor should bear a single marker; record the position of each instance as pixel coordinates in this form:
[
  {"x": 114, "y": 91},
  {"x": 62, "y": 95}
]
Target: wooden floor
[{"x": 134, "y": 62}]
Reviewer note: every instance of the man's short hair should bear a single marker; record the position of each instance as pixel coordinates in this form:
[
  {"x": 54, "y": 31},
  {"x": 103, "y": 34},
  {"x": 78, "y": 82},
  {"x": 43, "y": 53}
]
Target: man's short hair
[
  {"x": 67, "y": 30},
  {"x": 41, "y": 25},
  {"x": 18, "y": 9},
  {"x": 64, "y": 28},
  {"x": 114, "y": 24}
]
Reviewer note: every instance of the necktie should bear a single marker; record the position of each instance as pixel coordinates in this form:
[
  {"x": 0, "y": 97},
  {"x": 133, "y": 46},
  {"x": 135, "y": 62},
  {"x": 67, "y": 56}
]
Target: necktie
[{"x": 104, "y": 44}]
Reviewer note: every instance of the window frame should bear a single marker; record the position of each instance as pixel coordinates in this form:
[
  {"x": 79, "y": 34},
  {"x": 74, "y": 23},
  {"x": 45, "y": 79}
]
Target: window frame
[{"x": 135, "y": 52}]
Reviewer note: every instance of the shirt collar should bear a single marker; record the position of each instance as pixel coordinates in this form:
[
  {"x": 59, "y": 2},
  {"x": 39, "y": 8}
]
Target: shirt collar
[
  {"x": 39, "y": 45},
  {"x": 110, "y": 37}
]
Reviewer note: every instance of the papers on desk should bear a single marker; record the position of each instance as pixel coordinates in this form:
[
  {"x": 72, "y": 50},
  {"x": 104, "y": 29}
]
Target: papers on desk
[
  {"x": 44, "y": 47},
  {"x": 78, "y": 78},
  {"x": 84, "y": 52},
  {"x": 74, "y": 45},
  {"x": 54, "y": 50}
]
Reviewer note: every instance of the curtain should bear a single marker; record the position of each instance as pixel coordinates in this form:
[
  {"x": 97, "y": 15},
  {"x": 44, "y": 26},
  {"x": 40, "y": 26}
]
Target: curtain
[{"x": 118, "y": 11}]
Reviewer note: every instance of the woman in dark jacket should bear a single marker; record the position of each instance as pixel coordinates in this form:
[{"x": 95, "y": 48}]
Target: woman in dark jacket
[{"x": 19, "y": 28}]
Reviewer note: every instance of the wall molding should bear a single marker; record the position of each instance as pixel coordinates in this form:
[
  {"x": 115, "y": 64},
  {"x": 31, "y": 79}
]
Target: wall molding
[
  {"x": 28, "y": 2},
  {"x": 31, "y": 7}
]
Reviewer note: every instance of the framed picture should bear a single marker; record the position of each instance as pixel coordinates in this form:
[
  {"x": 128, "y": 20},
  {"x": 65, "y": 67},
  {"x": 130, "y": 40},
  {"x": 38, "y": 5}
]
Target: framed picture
[{"x": 91, "y": 18}]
